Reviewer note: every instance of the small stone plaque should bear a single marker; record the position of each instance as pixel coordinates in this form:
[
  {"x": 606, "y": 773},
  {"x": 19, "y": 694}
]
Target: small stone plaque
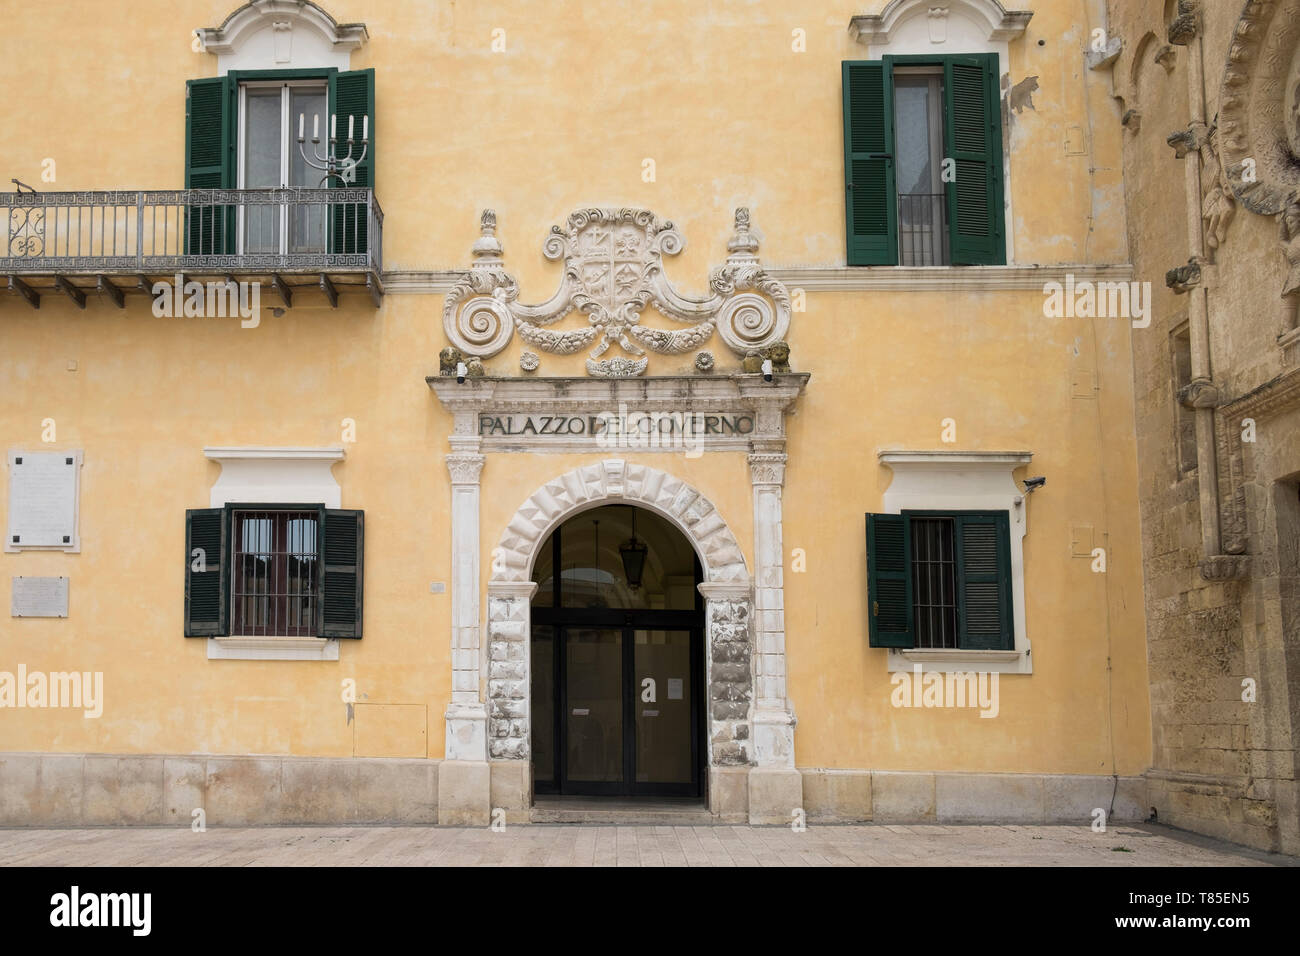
[
  {"x": 43, "y": 491},
  {"x": 39, "y": 597}
]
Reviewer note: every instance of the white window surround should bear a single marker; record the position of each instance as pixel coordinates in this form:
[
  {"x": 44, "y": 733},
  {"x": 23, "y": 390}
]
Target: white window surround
[
  {"x": 282, "y": 35},
  {"x": 947, "y": 27},
  {"x": 274, "y": 476},
  {"x": 964, "y": 481}
]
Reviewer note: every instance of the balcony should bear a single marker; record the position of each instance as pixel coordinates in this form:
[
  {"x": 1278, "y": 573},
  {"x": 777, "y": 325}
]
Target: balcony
[{"x": 118, "y": 243}]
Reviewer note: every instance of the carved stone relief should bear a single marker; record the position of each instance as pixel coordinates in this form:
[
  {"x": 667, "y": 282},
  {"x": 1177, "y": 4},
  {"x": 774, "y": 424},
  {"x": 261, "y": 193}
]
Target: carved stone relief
[
  {"x": 1218, "y": 204},
  {"x": 613, "y": 271},
  {"x": 1259, "y": 122},
  {"x": 1259, "y": 106},
  {"x": 1289, "y": 233}
]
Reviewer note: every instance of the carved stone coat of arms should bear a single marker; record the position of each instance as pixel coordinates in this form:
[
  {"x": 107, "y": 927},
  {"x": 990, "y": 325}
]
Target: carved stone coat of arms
[{"x": 613, "y": 273}]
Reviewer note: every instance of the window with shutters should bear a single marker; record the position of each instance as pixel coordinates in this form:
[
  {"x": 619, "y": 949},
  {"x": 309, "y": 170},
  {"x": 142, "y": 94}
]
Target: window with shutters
[
  {"x": 273, "y": 571},
  {"x": 243, "y": 131},
  {"x": 940, "y": 580},
  {"x": 923, "y": 161}
]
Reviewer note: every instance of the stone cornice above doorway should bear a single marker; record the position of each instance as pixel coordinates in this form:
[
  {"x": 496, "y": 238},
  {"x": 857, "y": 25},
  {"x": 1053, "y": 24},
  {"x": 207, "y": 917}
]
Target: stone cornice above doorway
[{"x": 547, "y": 413}]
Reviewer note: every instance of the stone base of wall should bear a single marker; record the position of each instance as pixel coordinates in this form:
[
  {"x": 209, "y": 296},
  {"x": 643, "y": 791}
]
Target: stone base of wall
[
  {"x": 157, "y": 790},
  {"x": 1259, "y": 813},
  {"x": 879, "y": 796}
]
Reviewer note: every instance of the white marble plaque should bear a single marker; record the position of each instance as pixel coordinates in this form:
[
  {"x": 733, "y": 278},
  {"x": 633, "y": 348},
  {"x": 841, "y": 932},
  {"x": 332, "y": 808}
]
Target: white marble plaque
[
  {"x": 39, "y": 597},
  {"x": 43, "y": 493}
]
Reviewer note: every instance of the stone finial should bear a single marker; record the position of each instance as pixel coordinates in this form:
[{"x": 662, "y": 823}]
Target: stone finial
[
  {"x": 487, "y": 246},
  {"x": 742, "y": 242}
]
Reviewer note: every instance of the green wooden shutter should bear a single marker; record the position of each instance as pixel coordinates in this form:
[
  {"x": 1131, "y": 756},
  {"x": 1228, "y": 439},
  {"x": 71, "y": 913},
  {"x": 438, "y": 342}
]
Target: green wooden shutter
[
  {"x": 341, "y": 549},
  {"x": 889, "y": 581},
  {"x": 984, "y": 582},
  {"x": 353, "y": 94},
  {"x": 205, "y": 589},
  {"x": 973, "y": 139},
  {"x": 210, "y": 109},
  {"x": 871, "y": 215}
]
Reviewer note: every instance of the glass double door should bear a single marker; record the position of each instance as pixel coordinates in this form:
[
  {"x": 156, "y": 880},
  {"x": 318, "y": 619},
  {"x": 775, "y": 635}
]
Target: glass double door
[
  {"x": 271, "y": 113},
  {"x": 622, "y": 715}
]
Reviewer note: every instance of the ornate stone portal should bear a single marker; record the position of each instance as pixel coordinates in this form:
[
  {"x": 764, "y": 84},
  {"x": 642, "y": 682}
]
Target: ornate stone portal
[
  {"x": 750, "y": 720},
  {"x": 613, "y": 271}
]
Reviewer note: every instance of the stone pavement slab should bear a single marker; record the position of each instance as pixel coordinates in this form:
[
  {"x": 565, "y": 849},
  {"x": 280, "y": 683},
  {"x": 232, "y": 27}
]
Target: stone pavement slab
[{"x": 649, "y": 845}]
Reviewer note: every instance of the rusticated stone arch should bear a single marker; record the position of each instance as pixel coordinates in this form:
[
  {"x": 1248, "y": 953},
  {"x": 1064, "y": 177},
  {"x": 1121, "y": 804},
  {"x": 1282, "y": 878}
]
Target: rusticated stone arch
[
  {"x": 729, "y": 651},
  {"x": 615, "y": 479}
]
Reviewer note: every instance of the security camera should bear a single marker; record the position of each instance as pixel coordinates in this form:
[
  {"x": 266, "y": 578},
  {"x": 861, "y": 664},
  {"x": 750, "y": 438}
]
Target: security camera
[
  {"x": 461, "y": 371},
  {"x": 1033, "y": 484},
  {"x": 767, "y": 370}
]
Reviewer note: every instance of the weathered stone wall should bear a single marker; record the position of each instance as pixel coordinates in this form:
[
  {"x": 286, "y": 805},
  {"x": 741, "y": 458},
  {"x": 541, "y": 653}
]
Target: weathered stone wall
[{"x": 1223, "y": 763}]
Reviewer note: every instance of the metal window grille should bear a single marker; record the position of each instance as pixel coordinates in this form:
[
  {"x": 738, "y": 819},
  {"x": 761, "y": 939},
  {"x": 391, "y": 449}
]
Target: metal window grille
[
  {"x": 274, "y": 584},
  {"x": 923, "y": 230},
  {"x": 934, "y": 576}
]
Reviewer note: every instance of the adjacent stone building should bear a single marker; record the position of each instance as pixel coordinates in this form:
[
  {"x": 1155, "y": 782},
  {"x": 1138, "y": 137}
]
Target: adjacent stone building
[{"x": 1209, "y": 95}]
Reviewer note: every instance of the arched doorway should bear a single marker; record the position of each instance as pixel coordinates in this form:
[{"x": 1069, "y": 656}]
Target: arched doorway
[{"x": 617, "y": 657}]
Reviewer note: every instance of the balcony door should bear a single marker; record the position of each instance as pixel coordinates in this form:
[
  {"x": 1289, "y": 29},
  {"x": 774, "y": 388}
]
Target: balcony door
[
  {"x": 269, "y": 158},
  {"x": 918, "y": 126},
  {"x": 617, "y": 658}
]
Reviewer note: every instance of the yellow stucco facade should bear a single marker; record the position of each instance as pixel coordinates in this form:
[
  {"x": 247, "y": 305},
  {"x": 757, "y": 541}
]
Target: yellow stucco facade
[{"x": 733, "y": 113}]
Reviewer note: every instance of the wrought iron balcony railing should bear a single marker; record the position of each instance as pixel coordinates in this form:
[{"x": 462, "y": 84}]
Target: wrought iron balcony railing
[{"x": 78, "y": 242}]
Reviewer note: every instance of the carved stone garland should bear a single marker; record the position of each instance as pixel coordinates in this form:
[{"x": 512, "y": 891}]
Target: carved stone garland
[{"x": 613, "y": 271}]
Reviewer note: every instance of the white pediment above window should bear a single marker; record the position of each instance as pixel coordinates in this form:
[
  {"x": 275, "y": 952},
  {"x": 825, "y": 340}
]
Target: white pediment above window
[
  {"x": 275, "y": 475},
  {"x": 917, "y": 24},
  {"x": 282, "y": 35}
]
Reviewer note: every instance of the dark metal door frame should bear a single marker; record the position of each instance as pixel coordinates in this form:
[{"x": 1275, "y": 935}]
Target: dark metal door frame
[{"x": 627, "y": 622}]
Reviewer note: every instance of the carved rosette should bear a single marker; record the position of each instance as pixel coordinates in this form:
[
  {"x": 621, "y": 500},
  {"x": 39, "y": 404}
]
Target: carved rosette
[{"x": 613, "y": 272}]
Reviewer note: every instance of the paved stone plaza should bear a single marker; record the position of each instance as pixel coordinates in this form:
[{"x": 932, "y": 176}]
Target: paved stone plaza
[{"x": 931, "y": 845}]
